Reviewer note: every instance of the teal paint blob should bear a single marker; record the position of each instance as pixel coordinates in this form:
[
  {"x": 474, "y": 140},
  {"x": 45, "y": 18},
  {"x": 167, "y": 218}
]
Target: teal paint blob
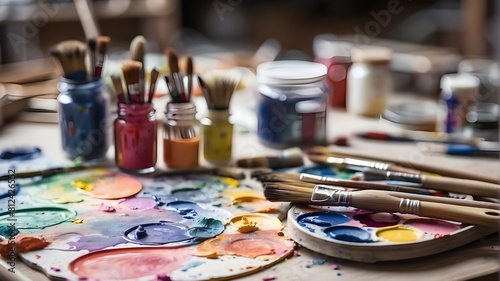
[
  {"x": 8, "y": 231},
  {"x": 208, "y": 228},
  {"x": 38, "y": 218}
]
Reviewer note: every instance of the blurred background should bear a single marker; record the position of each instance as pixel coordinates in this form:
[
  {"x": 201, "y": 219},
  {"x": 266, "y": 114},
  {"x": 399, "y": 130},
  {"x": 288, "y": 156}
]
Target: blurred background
[{"x": 234, "y": 30}]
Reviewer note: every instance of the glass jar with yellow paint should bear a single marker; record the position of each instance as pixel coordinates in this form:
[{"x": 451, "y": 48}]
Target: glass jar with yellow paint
[{"x": 217, "y": 136}]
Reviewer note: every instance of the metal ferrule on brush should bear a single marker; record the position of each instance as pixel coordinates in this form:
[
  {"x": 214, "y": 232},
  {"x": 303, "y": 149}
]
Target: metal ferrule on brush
[
  {"x": 375, "y": 174},
  {"x": 325, "y": 193},
  {"x": 305, "y": 177},
  {"x": 409, "y": 206}
]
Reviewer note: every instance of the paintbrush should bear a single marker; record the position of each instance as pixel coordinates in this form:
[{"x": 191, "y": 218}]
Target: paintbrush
[
  {"x": 218, "y": 88},
  {"x": 43, "y": 173},
  {"x": 118, "y": 85},
  {"x": 189, "y": 74},
  {"x": 137, "y": 51},
  {"x": 416, "y": 165},
  {"x": 177, "y": 82},
  {"x": 313, "y": 179},
  {"x": 71, "y": 56},
  {"x": 152, "y": 84},
  {"x": 292, "y": 157},
  {"x": 380, "y": 201},
  {"x": 92, "y": 48},
  {"x": 428, "y": 198},
  {"x": 132, "y": 75},
  {"x": 356, "y": 164},
  {"x": 461, "y": 186},
  {"x": 102, "y": 49}
]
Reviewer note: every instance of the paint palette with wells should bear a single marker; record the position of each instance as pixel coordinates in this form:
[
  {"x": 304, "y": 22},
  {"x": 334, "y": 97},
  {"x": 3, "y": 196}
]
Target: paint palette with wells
[
  {"x": 180, "y": 227},
  {"x": 359, "y": 235}
]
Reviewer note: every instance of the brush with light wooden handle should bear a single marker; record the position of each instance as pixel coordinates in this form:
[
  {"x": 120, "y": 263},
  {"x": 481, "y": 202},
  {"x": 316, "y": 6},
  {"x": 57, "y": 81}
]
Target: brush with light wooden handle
[
  {"x": 462, "y": 186},
  {"x": 380, "y": 201}
]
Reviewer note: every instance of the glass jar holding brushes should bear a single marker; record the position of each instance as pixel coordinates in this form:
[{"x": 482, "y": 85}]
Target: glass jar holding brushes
[
  {"x": 181, "y": 131},
  {"x": 218, "y": 87},
  {"x": 135, "y": 128},
  {"x": 83, "y": 101}
]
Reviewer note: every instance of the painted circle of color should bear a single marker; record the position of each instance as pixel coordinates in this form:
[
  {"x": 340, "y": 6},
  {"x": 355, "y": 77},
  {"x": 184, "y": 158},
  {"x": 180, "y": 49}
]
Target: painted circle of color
[
  {"x": 433, "y": 226},
  {"x": 158, "y": 233},
  {"x": 38, "y": 218},
  {"x": 348, "y": 234},
  {"x": 399, "y": 233},
  {"x": 322, "y": 219}
]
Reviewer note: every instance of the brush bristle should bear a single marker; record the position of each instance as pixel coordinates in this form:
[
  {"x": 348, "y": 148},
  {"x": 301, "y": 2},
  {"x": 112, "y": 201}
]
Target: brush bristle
[
  {"x": 220, "y": 86},
  {"x": 256, "y": 162},
  {"x": 92, "y": 44},
  {"x": 137, "y": 48},
  {"x": 283, "y": 192},
  {"x": 173, "y": 61},
  {"x": 71, "y": 55},
  {"x": 189, "y": 65},
  {"x": 132, "y": 72},
  {"x": 102, "y": 44}
]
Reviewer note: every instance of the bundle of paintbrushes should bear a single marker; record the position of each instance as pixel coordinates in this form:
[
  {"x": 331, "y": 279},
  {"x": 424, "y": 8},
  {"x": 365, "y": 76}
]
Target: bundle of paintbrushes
[
  {"x": 218, "y": 87},
  {"x": 304, "y": 180},
  {"x": 72, "y": 55},
  {"x": 384, "y": 201},
  {"x": 374, "y": 170},
  {"x": 179, "y": 92},
  {"x": 134, "y": 91}
]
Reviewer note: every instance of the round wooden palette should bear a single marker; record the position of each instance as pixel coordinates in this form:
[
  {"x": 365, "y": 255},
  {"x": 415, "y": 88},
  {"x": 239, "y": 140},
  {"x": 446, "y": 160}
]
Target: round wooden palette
[{"x": 391, "y": 236}]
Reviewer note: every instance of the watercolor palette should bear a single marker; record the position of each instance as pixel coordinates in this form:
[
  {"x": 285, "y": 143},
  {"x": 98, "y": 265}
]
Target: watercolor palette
[
  {"x": 188, "y": 227},
  {"x": 363, "y": 236}
]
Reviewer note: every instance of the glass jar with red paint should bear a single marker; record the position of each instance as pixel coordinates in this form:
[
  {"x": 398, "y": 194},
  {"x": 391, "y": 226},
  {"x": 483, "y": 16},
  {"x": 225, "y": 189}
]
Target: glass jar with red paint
[{"x": 135, "y": 131}]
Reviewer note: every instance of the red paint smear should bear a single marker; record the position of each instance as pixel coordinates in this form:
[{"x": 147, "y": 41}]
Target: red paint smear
[
  {"x": 250, "y": 245},
  {"x": 130, "y": 263}
]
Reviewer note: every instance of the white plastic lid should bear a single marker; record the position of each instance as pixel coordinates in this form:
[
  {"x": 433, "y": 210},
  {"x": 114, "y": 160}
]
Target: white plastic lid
[
  {"x": 460, "y": 83},
  {"x": 290, "y": 72}
]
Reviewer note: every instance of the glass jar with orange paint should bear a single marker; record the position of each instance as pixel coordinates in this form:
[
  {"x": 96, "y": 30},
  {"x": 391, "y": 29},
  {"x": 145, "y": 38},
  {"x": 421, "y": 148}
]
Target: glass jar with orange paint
[{"x": 181, "y": 136}]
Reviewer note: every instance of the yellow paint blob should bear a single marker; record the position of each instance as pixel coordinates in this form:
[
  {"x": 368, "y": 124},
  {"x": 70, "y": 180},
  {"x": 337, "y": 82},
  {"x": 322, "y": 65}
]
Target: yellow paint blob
[
  {"x": 247, "y": 225},
  {"x": 243, "y": 195},
  {"x": 230, "y": 182},
  {"x": 250, "y": 222},
  {"x": 399, "y": 233},
  {"x": 81, "y": 184},
  {"x": 59, "y": 194}
]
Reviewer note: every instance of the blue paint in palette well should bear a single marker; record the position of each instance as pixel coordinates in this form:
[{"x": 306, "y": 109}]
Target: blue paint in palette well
[
  {"x": 157, "y": 233},
  {"x": 321, "y": 219},
  {"x": 348, "y": 234}
]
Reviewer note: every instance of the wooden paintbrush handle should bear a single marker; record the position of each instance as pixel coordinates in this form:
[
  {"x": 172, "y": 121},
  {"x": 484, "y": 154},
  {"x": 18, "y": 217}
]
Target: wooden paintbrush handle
[
  {"x": 379, "y": 201},
  {"x": 469, "y": 215},
  {"x": 464, "y": 186}
]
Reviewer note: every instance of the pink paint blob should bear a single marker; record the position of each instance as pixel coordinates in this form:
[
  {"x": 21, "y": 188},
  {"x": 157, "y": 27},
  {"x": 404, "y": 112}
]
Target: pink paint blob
[
  {"x": 106, "y": 208},
  {"x": 130, "y": 263},
  {"x": 433, "y": 226},
  {"x": 138, "y": 203}
]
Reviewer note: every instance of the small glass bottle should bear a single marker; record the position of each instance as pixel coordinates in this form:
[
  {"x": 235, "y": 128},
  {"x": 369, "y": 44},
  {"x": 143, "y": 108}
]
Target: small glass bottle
[
  {"x": 369, "y": 81},
  {"x": 459, "y": 91},
  {"x": 181, "y": 136},
  {"x": 135, "y": 131},
  {"x": 84, "y": 118},
  {"x": 217, "y": 131}
]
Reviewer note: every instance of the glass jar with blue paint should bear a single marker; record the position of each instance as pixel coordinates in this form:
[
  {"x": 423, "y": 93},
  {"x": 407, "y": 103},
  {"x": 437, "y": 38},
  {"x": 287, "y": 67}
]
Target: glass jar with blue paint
[
  {"x": 84, "y": 118},
  {"x": 292, "y": 105}
]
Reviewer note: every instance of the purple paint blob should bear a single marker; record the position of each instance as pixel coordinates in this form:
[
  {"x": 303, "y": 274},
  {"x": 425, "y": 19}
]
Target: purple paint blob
[
  {"x": 378, "y": 219},
  {"x": 433, "y": 226},
  {"x": 95, "y": 242},
  {"x": 157, "y": 233},
  {"x": 348, "y": 234},
  {"x": 322, "y": 219},
  {"x": 139, "y": 203}
]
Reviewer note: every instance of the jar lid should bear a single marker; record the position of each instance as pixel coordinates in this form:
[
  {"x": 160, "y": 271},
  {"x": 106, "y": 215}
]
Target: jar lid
[
  {"x": 290, "y": 72},
  {"x": 460, "y": 83},
  {"x": 372, "y": 55}
]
